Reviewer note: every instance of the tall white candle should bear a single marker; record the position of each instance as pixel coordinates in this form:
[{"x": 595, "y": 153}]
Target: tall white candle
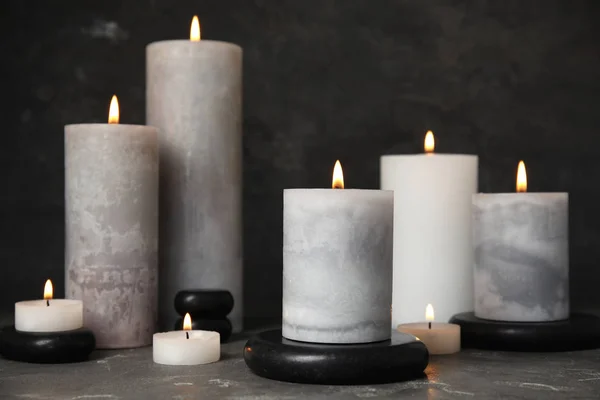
[
  {"x": 194, "y": 98},
  {"x": 186, "y": 347},
  {"x": 111, "y": 195},
  {"x": 433, "y": 253},
  {"x": 521, "y": 255},
  {"x": 337, "y": 264},
  {"x": 48, "y": 315}
]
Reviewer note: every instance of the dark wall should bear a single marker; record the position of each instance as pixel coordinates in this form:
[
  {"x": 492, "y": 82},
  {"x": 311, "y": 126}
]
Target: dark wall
[{"x": 324, "y": 79}]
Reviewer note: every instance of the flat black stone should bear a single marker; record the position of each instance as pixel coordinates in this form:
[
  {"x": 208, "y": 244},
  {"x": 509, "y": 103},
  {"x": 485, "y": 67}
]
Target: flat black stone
[
  {"x": 579, "y": 332},
  {"x": 271, "y": 356},
  {"x": 46, "y": 347},
  {"x": 223, "y": 326},
  {"x": 202, "y": 303}
]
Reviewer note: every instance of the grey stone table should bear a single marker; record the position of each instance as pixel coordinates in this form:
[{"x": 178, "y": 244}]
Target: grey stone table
[{"x": 131, "y": 374}]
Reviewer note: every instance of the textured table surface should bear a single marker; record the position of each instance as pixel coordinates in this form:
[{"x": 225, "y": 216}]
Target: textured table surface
[{"x": 131, "y": 374}]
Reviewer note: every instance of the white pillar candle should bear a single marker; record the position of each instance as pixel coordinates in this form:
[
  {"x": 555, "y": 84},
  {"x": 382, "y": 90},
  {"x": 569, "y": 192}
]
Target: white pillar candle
[
  {"x": 433, "y": 253},
  {"x": 521, "y": 255},
  {"x": 111, "y": 201},
  {"x": 48, "y": 315},
  {"x": 440, "y": 338},
  {"x": 337, "y": 265},
  {"x": 186, "y": 347},
  {"x": 194, "y": 98}
]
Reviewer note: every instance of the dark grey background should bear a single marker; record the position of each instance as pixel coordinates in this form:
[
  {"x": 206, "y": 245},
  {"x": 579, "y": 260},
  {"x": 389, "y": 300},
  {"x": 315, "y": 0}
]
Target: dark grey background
[{"x": 324, "y": 79}]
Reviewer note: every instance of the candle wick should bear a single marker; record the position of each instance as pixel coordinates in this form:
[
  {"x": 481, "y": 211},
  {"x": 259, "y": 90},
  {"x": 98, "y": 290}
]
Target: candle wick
[
  {"x": 47, "y": 303},
  {"x": 429, "y": 325},
  {"x": 187, "y": 335}
]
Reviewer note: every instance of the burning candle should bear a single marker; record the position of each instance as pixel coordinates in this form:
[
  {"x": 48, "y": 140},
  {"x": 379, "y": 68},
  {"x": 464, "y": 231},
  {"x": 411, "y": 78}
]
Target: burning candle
[
  {"x": 111, "y": 194},
  {"x": 48, "y": 315},
  {"x": 337, "y": 264},
  {"x": 521, "y": 254},
  {"x": 433, "y": 252},
  {"x": 194, "y": 98},
  {"x": 187, "y": 347},
  {"x": 440, "y": 338}
]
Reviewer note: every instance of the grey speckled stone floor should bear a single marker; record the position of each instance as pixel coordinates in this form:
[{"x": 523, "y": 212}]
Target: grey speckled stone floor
[{"x": 131, "y": 374}]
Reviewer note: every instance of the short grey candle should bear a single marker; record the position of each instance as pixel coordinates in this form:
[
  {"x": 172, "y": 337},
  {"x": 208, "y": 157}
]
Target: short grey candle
[
  {"x": 194, "y": 98},
  {"x": 337, "y": 265},
  {"x": 521, "y": 256},
  {"x": 111, "y": 199}
]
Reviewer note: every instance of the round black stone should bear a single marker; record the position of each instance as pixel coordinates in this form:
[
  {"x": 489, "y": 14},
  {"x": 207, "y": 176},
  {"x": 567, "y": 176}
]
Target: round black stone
[
  {"x": 46, "y": 347},
  {"x": 223, "y": 326},
  {"x": 204, "y": 303},
  {"x": 271, "y": 356},
  {"x": 579, "y": 332}
]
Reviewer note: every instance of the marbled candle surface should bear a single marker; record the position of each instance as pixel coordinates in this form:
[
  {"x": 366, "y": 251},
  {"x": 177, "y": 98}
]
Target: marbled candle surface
[
  {"x": 337, "y": 265},
  {"x": 111, "y": 197},
  {"x": 521, "y": 256},
  {"x": 194, "y": 98}
]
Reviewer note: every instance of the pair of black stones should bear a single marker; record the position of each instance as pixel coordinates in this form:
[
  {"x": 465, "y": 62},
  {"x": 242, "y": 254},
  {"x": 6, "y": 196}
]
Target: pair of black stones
[
  {"x": 208, "y": 310},
  {"x": 46, "y": 347}
]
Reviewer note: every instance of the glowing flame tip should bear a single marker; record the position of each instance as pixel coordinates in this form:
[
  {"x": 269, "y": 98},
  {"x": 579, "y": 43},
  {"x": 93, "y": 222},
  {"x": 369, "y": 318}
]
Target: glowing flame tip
[
  {"x": 429, "y": 315},
  {"x": 187, "y": 322},
  {"x": 429, "y": 142},
  {"x": 338, "y": 176},
  {"x": 48, "y": 290},
  {"x": 195, "y": 30},
  {"x": 113, "y": 110}
]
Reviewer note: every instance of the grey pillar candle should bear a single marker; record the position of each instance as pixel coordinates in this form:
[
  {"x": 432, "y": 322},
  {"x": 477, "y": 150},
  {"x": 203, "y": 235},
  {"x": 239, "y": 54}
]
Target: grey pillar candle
[
  {"x": 521, "y": 256},
  {"x": 194, "y": 99},
  {"x": 111, "y": 200},
  {"x": 337, "y": 265}
]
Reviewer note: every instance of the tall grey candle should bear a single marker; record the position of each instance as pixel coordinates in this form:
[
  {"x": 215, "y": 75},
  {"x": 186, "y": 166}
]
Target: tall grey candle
[
  {"x": 337, "y": 265},
  {"x": 111, "y": 199},
  {"x": 521, "y": 256},
  {"x": 194, "y": 98}
]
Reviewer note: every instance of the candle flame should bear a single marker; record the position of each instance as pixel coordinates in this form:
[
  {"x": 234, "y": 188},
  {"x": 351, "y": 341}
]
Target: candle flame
[
  {"x": 521, "y": 178},
  {"x": 429, "y": 142},
  {"x": 48, "y": 291},
  {"x": 195, "y": 30},
  {"x": 429, "y": 315},
  {"x": 187, "y": 322},
  {"x": 113, "y": 111},
  {"x": 338, "y": 176}
]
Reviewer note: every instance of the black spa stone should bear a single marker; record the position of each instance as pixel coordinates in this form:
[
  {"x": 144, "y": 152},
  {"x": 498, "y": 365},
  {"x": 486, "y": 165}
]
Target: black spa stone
[
  {"x": 579, "y": 332},
  {"x": 271, "y": 356},
  {"x": 223, "y": 326},
  {"x": 46, "y": 347},
  {"x": 203, "y": 303}
]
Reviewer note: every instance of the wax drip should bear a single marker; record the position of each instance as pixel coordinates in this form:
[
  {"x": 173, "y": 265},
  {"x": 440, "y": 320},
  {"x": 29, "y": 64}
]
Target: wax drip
[{"x": 187, "y": 335}]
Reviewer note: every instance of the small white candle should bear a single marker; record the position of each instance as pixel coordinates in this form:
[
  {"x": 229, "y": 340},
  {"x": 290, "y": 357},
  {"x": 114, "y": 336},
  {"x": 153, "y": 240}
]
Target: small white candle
[
  {"x": 48, "y": 315},
  {"x": 186, "y": 347},
  {"x": 440, "y": 338}
]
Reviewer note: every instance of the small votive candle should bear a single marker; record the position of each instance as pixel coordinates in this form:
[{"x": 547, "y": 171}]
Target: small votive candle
[
  {"x": 48, "y": 315},
  {"x": 440, "y": 338},
  {"x": 186, "y": 347}
]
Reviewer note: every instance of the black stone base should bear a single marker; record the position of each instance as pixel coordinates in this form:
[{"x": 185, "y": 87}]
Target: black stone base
[
  {"x": 271, "y": 356},
  {"x": 204, "y": 303},
  {"x": 223, "y": 326},
  {"x": 580, "y": 332},
  {"x": 46, "y": 347}
]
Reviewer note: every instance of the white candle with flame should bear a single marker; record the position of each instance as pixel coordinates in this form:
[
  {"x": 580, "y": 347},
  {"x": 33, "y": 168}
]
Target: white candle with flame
[
  {"x": 186, "y": 347},
  {"x": 433, "y": 253},
  {"x": 337, "y": 264},
  {"x": 521, "y": 243},
  {"x": 440, "y": 338},
  {"x": 111, "y": 194},
  {"x": 48, "y": 315},
  {"x": 194, "y": 98}
]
